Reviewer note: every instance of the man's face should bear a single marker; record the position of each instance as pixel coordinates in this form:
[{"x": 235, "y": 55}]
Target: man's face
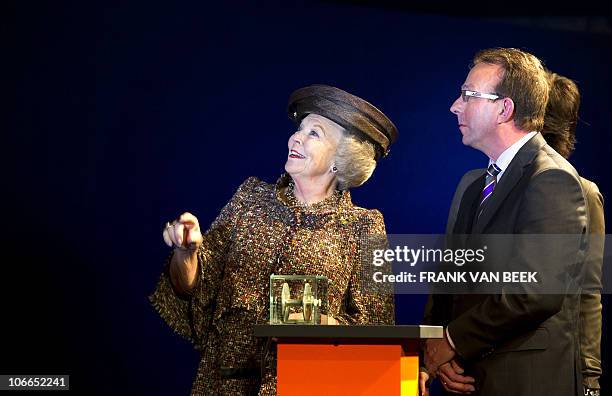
[{"x": 477, "y": 117}]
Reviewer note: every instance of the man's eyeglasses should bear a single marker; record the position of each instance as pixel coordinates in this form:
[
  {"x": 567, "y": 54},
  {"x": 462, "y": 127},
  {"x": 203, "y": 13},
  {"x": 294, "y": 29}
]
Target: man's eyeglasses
[{"x": 466, "y": 94}]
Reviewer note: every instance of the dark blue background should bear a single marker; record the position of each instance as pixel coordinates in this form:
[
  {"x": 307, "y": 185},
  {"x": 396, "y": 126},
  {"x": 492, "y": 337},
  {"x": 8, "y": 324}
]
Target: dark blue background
[{"x": 123, "y": 116}]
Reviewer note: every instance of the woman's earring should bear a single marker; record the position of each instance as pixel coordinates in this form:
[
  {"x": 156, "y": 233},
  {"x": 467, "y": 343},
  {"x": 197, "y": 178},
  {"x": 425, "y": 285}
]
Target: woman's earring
[{"x": 334, "y": 169}]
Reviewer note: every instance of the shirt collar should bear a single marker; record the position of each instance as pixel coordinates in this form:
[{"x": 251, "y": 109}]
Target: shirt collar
[{"x": 503, "y": 161}]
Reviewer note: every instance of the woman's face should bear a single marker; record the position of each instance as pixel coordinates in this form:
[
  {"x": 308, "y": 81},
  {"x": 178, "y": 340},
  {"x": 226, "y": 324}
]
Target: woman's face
[{"x": 312, "y": 147}]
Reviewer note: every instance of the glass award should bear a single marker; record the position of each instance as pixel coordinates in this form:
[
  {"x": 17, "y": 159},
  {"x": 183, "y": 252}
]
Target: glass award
[{"x": 298, "y": 299}]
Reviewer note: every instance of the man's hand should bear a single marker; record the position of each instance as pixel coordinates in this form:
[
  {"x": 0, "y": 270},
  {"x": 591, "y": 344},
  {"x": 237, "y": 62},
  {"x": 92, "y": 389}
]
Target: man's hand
[
  {"x": 423, "y": 383},
  {"x": 437, "y": 352},
  {"x": 453, "y": 380}
]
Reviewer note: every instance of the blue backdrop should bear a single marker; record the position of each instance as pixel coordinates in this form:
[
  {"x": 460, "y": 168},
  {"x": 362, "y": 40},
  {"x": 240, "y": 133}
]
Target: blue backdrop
[{"x": 126, "y": 115}]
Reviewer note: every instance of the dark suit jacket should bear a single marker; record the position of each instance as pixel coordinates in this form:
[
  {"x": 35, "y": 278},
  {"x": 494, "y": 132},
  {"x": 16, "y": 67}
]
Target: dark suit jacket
[
  {"x": 521, "y": 344},
  {"x": 590, "y": 299}
]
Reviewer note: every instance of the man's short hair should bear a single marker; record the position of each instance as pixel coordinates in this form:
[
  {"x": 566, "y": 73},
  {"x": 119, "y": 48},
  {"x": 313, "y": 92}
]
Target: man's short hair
[{"x": 523, "y": 80}]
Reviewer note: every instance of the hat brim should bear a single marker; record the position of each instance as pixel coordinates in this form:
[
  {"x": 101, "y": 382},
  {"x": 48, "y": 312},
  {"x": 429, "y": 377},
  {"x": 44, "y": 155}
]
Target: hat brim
[{"x": 354, "y": 114}]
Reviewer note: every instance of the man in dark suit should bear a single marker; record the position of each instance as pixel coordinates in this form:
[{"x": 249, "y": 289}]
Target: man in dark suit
[
  {"x": 525, "y": 342},
  {"x": 560, "y": 133}
]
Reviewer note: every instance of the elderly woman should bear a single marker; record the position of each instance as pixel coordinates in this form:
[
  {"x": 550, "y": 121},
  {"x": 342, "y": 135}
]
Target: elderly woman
[{"x": 216, "y": 285}]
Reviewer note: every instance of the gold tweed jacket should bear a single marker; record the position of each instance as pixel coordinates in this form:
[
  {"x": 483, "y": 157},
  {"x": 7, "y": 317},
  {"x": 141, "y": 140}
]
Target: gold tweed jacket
[{"x": 265, "y": 230}]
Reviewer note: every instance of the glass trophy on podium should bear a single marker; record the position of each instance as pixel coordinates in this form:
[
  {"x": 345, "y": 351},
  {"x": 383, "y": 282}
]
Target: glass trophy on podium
[{"x": 298, "y": 299}]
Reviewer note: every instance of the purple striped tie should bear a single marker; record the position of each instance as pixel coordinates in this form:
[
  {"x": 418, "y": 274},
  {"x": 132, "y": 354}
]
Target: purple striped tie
[{"x": 490, "y": 182}]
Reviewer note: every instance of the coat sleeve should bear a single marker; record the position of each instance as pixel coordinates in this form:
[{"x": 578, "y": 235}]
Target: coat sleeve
[
  {"x": 553, "y": 204},
  {"x": 590, "y": 300},
  {"x": 366, "y": 303},
  {"x": 189, "y": 316}
]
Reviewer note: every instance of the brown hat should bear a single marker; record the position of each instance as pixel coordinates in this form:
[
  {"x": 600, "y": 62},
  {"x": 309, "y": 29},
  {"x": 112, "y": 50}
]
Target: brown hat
[{"x": 349, "y": 111}]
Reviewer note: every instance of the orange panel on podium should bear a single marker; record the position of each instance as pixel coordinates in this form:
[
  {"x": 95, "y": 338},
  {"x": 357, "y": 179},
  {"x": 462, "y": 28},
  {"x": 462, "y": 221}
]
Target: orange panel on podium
[
  {"x": 340, "y": 369},
  {"x": 347, "y": 360}
]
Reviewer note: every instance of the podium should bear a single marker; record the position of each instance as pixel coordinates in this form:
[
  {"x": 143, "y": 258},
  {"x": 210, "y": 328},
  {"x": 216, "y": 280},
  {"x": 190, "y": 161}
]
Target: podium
[{"x": 347, "y": 360}]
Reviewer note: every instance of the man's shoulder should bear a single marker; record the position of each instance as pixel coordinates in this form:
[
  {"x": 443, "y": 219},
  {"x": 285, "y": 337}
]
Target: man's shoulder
[
  {"x": 590, "y": 187},
  {"x": 593, "y": 196},
  {"x": 548, "y": 159}
]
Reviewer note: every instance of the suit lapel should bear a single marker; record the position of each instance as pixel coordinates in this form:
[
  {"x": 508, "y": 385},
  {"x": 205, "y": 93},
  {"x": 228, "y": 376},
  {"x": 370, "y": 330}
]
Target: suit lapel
[
  {"x": 511, "y": 176},
  {"x": 465, "y": 214},
  {"x": 515, "y": 171}
]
